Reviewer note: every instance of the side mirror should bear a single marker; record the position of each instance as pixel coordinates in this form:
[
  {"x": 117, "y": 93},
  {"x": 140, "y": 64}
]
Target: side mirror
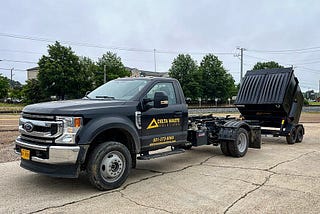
[{"x": 160, "y": 100}]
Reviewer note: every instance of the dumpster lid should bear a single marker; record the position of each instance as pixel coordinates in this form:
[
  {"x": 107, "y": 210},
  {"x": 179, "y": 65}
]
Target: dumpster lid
[{"x": 267, "y": 86}]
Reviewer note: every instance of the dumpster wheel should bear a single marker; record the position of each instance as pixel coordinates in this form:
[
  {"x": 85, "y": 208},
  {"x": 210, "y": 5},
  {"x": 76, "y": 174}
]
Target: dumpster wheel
[
  {"x": 292, "y": 136},
  {"x": 299, "y": 134}
]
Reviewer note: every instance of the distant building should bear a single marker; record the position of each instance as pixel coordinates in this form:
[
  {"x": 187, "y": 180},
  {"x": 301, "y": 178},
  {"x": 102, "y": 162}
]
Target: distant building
[
  {"x": 32, "y": 73},
  {"x": 141, "y": 73}
]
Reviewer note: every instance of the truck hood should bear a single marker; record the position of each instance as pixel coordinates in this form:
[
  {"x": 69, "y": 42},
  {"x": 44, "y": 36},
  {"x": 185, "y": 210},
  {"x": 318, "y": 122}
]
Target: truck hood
[{"x": 72, "y": 107}]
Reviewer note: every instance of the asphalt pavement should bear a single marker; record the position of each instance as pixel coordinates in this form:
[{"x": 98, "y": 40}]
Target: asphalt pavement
[{"x": 279, "y": 178}]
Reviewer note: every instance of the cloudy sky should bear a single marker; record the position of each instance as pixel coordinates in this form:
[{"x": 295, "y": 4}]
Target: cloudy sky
[{"x": 285, "y": 31}]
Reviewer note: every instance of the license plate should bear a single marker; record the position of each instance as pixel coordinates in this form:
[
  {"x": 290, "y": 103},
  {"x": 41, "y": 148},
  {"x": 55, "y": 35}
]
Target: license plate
[{"x": 25, "y": 154}]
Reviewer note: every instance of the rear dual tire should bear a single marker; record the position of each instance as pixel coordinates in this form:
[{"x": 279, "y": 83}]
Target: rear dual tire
[{"x": 238, "y": 147}]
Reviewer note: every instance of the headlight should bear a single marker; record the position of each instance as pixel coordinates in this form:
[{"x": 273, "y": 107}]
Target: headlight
[{"x": 71, "y": 126}]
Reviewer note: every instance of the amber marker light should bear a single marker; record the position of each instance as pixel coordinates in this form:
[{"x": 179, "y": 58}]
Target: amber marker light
[{"x": 77, "y": 122}]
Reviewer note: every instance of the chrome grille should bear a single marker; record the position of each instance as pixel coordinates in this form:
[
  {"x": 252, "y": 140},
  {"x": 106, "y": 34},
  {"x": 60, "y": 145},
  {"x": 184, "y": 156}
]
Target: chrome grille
[
  {"x": 40, "y": 128},
  {"x": 38, "y": 117}
]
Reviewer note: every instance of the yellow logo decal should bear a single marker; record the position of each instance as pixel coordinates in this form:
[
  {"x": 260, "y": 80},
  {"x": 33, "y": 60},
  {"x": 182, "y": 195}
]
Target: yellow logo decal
[{"x": 153, "y": 124}]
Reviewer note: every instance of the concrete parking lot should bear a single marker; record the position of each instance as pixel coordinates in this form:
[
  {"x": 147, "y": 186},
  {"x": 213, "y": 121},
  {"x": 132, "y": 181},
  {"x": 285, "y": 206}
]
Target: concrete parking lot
[{"x": 279, "y": 178}]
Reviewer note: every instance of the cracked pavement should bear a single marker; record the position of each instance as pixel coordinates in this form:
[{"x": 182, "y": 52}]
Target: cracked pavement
[{"x": 278, "y": 178}]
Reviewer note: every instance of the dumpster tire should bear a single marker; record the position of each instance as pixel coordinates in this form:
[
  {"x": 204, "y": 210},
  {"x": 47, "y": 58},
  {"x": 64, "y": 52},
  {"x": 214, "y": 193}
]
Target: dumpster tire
[
  {"x": 224, "y": 148},
  {"x": 109, "y": 165},
  {"x": 292, "y": 137},
  {"x": 239, "y": 147},
  {"x": 299, "y": 134}
]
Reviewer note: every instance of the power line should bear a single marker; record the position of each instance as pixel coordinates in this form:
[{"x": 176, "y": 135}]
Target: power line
[
  {"x": 298, "y": 65},
  {"x": 91, "y": 45},
  {"x": 287, "y": 64},
  {"x": 41, "y": 39},
  {"x": 193, "y": 52},
  {"x": 19, "y": 51},
  {"x": 16, "y": 69},
  {"x": 18, "y": 61},
  {"x": 308, "y": 63},
  {"x": 310, "y": 69},
  {"x": 312, "y": 49}
]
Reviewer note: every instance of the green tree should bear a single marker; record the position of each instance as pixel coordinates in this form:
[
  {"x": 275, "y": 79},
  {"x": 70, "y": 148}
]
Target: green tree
[
  {"x": 88, "y": 68},
  {"x": 4, "y": 86},
  {"x": 16, "y": 91},
  {"x": 59, "y": 72},
  {"x": 32, "y": 92},
  {"x": 186, "y": 71},
  {"x": 217, "y": 83},
  {"x": 114, "y": 68},
  {"x": 266, "y": 65}
]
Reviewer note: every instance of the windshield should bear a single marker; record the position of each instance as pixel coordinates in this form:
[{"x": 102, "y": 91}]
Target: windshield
[{"x": 118, "y": 89}]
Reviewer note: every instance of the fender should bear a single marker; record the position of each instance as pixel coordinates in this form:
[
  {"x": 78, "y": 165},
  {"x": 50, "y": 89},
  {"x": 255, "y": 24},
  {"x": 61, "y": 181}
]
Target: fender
[
  {"x": 97, "y": 126},
  {"x": 229, "y": 130}
]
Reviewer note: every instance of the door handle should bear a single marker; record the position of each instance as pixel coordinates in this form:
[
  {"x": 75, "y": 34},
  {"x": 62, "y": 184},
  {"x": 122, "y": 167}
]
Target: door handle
[{"x": 177, "y": 113}]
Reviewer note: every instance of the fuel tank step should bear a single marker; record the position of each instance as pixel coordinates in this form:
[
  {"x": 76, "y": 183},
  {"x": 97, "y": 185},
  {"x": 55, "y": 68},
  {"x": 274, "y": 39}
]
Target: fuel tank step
[{"x": 159, "y": 155}]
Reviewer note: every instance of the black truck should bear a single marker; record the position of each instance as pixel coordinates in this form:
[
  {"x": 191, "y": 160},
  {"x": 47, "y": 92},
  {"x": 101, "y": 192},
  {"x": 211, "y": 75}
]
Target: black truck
[{"x": 125, "y": 119}]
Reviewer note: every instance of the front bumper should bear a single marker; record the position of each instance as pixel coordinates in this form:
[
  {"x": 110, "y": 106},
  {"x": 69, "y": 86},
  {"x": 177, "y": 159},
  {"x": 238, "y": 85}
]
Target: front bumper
[{"x": 49, "y": 154}]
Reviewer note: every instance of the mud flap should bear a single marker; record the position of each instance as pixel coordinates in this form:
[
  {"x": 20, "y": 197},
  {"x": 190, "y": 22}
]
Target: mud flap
[{"x": 255, "y": 137}]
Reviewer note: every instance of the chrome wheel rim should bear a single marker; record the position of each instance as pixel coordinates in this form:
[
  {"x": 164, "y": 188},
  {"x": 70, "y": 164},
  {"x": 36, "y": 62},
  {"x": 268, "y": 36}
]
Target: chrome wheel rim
[{"x": 242, "y": 142}]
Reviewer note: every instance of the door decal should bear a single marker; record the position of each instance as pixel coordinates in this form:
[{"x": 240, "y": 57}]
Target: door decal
[
  {"x": 163, "y": 140},
  {"x": 153, "y": 124},
  {"x": 163, "y": 123}
]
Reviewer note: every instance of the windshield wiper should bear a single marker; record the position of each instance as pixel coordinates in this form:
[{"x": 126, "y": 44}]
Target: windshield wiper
[{"x": 105, "y": 97}]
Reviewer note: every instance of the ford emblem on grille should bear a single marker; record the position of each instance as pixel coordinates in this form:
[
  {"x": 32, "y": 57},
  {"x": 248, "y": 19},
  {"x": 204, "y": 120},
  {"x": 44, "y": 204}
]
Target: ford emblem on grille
[{"x": 28, "y": 127}]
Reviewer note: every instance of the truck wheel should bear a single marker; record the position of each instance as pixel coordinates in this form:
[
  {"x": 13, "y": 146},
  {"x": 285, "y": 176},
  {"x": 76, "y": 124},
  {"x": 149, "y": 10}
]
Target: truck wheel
[
  {"x": 239, "y": 147},
  {"x": 292, "y": 137},
  {"x": 109, "y": 165},
  {"x": 299, "y": 134},
  {"x": 224, "y": 148}
]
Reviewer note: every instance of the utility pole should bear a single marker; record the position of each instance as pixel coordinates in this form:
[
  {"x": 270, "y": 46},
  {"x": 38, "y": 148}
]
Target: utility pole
[
  {"x": 154, "y": 58},
  {"x": 241, "y": 67},
  {"x": 241, "y": 63},
  {"x": 11, "y": 70},
  {"x": 104, "y": 74}
]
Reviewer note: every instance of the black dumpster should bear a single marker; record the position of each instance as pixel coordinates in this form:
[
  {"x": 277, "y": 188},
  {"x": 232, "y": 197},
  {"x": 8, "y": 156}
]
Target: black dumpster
[{"x": 272, "y": 98}]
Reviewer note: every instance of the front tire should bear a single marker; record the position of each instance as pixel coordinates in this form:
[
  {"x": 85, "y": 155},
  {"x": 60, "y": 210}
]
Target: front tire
[
  {"x": 239, "y": 147},
  {"x": 109, "y": 165}
]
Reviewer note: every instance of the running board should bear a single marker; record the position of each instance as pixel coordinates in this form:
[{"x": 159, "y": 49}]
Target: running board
[{"x": 159, "y": 155}]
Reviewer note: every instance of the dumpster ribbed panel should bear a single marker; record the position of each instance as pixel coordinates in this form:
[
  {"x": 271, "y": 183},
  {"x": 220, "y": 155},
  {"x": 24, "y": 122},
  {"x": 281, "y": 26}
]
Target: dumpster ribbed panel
[
  {"x": 248, "y": 92},
  {"x": 274, "y": 89},
  {"x": 267, "y": 86},
  {"x": 268, "y": 95}
]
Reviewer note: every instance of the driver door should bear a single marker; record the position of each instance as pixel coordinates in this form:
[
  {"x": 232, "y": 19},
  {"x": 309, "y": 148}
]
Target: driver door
[{"x": 162, "y": 126}]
